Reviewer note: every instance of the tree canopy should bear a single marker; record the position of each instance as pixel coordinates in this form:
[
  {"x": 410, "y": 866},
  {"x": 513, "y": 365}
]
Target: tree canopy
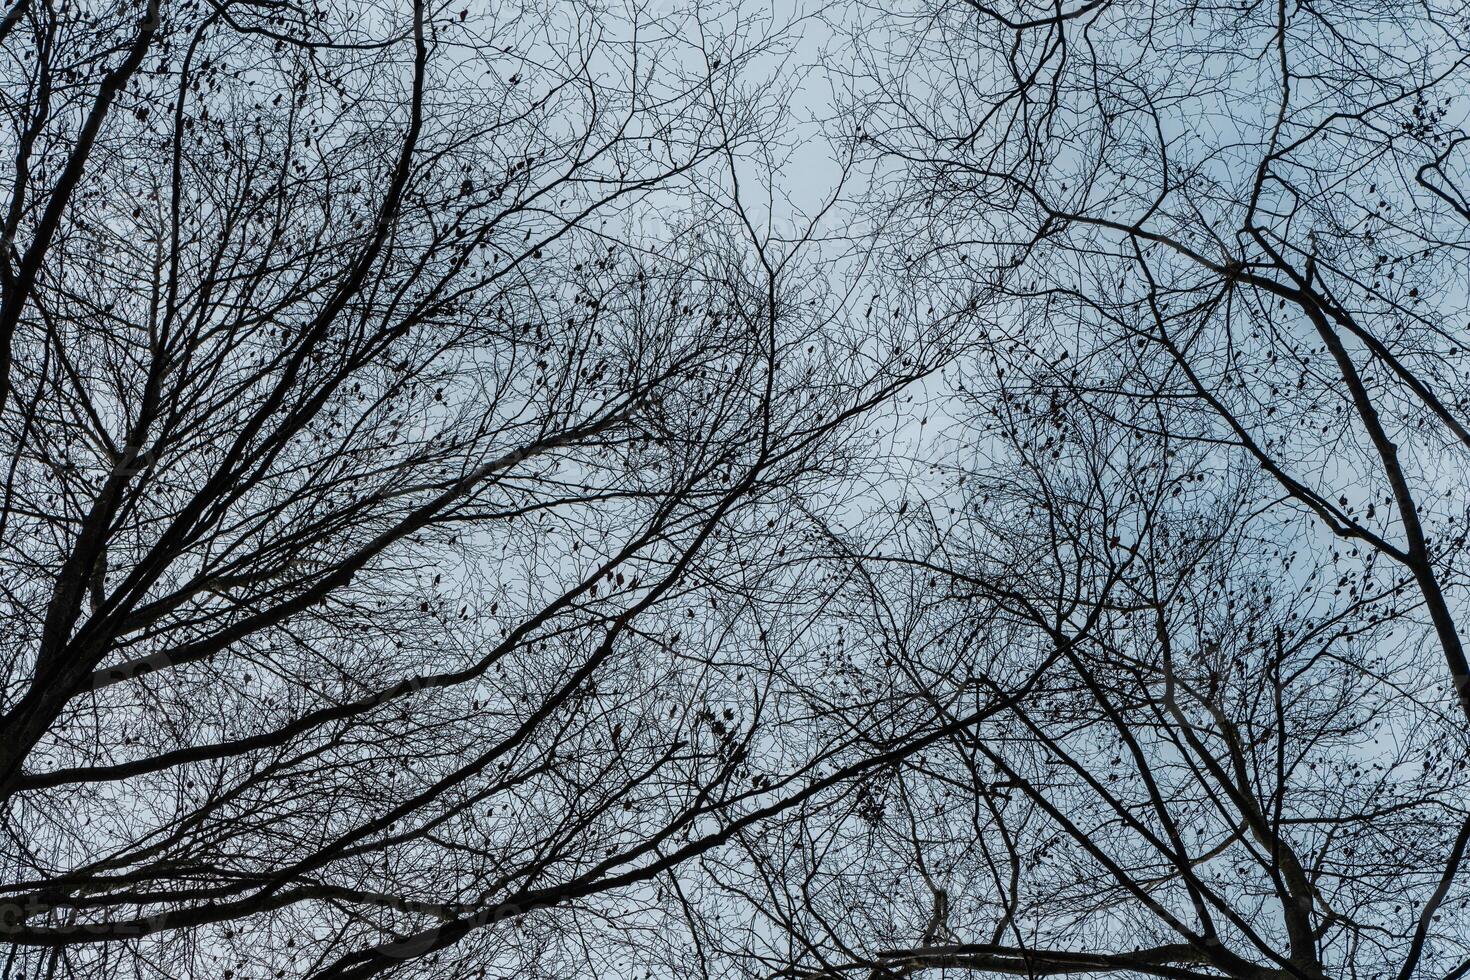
[{"x": 479, "y": 500}]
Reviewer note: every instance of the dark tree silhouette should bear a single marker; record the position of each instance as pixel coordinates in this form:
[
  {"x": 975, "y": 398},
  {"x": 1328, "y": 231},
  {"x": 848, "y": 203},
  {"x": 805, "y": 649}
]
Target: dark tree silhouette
[
  {"x": 459, "y": 520},
  {"x": 388, "y": 522}
]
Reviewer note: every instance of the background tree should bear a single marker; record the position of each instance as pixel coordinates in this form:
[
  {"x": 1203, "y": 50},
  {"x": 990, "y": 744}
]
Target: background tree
[
  {"x": 1205, "y": 475},
  {"x": 1219, "y": 755},
  {"x": 1289, "y": 269}
]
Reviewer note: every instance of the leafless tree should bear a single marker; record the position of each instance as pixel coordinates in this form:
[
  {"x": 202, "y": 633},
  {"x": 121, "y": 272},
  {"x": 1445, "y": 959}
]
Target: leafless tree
[
  {"x": 458, "y": 521},
  {"x": 1262, "y": 203},
  {"x": 1198, "y": 512},
  {"x": 398, "y": 526},
  {"x": 1222, "y": 753}
]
